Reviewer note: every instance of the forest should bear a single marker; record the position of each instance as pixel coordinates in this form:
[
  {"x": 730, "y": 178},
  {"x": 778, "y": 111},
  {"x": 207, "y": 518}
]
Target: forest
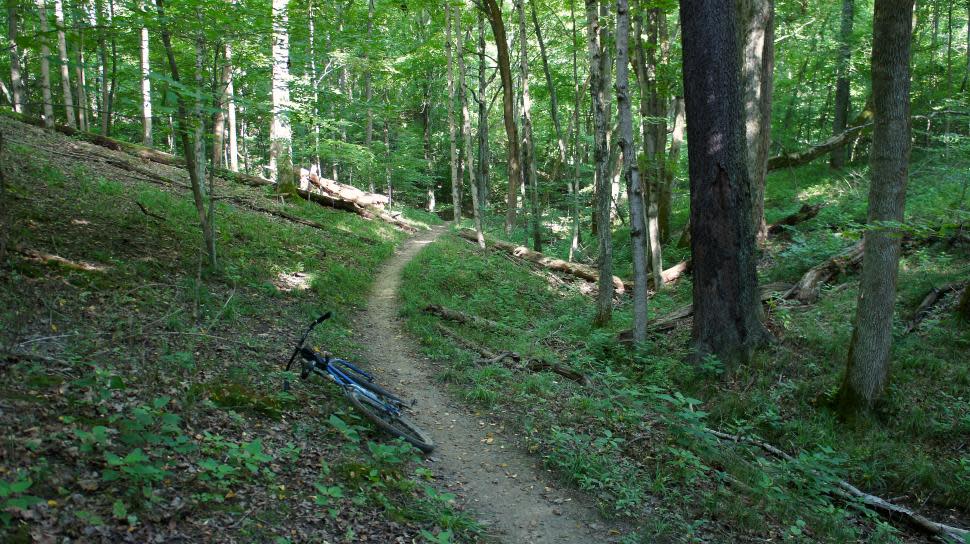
[{"x": 620, "y": 271}]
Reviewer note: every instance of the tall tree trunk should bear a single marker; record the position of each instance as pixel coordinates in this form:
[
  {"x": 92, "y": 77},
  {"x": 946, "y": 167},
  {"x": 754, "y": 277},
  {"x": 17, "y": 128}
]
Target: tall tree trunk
[
  {"x": 113, "y": 87},
  {"x": 427, "y": 145},
  {"x": 16, "y": 81},
  {"x": 949, "y": 46},
  {"x": 102, "y": 23},
  {"x": 222, "y": 103},
  {"x": 483, "y": 155},
  {"x": 188, "y": 148},
  {"x": 45, "y": 69},
  {"x": 837, "y": 159},
  {"x": 528, "y": 148},
  {"x": 553, "y": 97},
  {"x": 387, "y": 150},
  {"x": 867, "y": 371},
  {"x": 494, "y": 13},
  {"x": 368, "y": 90},
  {"x": 62, "y": 57},
  {"x": 452, "y": 131},
  {"x": 673, "y": 160},
  {"x": 280, "y": 135},
  {"x": 574, "y": 241},
  {"x": 757, "y": 74},
  {"x": 633, "y": 186},
  {"x": 599, "y": 77},
  {"x": 146, "y": 91},
  {"x": 466, "y": 128},
  {"x": 727, "y": 310},
  {"x": 80, "y": 76},
  {"x": 231, "y": 99},
  {"x": 654, "y": 129}
]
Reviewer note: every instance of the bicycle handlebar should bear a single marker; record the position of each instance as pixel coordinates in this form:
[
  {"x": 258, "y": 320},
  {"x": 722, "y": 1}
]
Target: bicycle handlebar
[{"x": 299, "y": 345}]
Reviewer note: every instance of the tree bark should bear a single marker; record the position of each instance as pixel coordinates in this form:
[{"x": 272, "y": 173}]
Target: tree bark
[
  {"x": 528, "y": 146},
  {"x": 16, "y": 82},
  {"x": 599, "y": 77},
  {"x": 102, "y": 23},
  {"x": 280, "y": 135},
  {"x": 577, "y": 217},
  {"x": 673, "y": 162},
  {"x": 494, "y": 13},
  {"x": 867, "y": 371},
  {"x": 838, "y": 156},
  {"x": 727, "y": 321},
  {"x": 62, "y": 57},
  {"x": 757, "y": 73},
  {"x": 466, "y": 128},
  {"x": 231, "y": 106},
  {"x": 221, "y": 105},
  {"x": 369, "y": 91},
  {"x": 146, "y": 91},
  {"x": 452, "y": 131},
  {"x": 634, "y": 191},
  {"x": 45, "y": 69},
  {"x": 482, "y": 166}
]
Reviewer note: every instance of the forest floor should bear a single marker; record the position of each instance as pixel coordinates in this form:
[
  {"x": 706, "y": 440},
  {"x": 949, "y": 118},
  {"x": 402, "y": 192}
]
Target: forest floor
[
  {"x": 141, "y": 395},
  {"x": 512, "y": 494}
]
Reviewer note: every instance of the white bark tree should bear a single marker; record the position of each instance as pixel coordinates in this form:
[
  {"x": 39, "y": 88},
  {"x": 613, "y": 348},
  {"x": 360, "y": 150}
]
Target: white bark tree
[
  {"x": 452, "y": 133},
  {"x": 45, "y": 67},
  {"x": 280, "y": 134},
  {"x": 62, "y": 57},
  {"x": 146, "y": 91},
  {"x": 16, "y": 83}
]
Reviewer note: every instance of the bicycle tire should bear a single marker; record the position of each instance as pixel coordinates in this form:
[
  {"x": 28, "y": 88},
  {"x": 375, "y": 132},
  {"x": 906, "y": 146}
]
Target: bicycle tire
[{"x": 399, "y": 425}]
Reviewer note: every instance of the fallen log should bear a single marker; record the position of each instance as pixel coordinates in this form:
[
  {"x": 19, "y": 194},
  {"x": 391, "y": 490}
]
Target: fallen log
[
  {"x": 808, "y": 287},
  {"x": 532, "y": 365},
  {"x": 929, "y": 301},
  {"x": 670, "y": 320},
  {"x": 463, "y": 318},
  {"x": 788, "y": 160},
  {"x": 48, "y": 258},
  {"x": 848, "y": 491},
  {"x": 806, "y": 212}
]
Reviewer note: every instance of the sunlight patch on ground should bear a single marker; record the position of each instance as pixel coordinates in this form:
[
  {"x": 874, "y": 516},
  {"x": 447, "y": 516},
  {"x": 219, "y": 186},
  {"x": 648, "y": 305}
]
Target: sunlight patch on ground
[{"x": 295, "y": 281}]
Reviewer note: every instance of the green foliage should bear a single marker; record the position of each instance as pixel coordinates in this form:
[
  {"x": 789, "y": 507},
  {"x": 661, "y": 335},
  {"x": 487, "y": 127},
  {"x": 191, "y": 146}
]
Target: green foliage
[{"x": 13, "y": 496}]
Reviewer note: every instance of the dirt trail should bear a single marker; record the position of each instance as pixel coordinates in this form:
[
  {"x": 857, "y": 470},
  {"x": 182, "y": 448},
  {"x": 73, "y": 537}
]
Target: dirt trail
[{"x": 506, "y": 488}]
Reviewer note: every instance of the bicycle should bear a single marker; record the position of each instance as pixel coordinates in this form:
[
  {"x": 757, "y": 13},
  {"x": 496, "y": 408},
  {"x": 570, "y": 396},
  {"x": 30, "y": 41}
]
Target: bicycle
[{"x": 381, "y": 406}]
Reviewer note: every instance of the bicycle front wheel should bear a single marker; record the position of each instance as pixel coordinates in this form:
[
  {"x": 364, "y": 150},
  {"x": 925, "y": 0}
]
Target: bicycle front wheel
[{"x": 397, "y": 425}]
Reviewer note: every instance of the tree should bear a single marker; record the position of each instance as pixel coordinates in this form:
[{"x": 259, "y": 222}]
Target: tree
[
  {"x": 466, "y": 129},
  {"x": 146, "y": 90},
  {"x": 482, "y": 168},
  {"x": 727, "y": 308},
  {"x": 867, "y": 371},
  {"x": 494, "y": 15},
  {"x": 222, "y": 98},
  {"x": 452, "y": 133},
  {"x": 280, "y": 134},
  {"x": 190, "y": 149},
  {"x": 18, "y": 94},
  {"x": 528, "y": 148},
  {"x": 837, "y": 159},
  {"x": 62, "y": 58},
  {"x": 599, "y": 77},
  {"x": 638, "y": 224},
  {"x": 757, "y": 74},
  {"x": 45, "y": 69}
]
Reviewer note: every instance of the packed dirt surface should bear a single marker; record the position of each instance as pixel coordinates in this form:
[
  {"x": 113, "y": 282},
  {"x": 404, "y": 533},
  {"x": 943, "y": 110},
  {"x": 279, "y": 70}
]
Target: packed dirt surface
[{"x": 510, "y": 493}]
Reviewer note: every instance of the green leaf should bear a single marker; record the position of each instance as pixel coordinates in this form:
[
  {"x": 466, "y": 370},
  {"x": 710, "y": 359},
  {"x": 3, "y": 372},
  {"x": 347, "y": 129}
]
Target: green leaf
[{"x": 119, "y": 511}]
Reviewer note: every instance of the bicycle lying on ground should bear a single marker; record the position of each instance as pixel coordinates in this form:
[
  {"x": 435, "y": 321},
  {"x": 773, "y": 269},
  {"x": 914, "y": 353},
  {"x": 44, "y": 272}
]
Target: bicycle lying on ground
[{"x": 381, "y": 406}]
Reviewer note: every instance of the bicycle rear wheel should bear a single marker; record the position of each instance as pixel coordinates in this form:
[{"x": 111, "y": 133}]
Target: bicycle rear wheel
[{"x": 398, "y": 425}]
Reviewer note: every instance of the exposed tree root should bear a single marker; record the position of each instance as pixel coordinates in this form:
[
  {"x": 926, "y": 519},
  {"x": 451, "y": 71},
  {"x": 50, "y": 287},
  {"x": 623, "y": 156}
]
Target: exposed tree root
[
  {"x": 849, "y": 491},
  {"x": 931, "y": 300},
  {"x": 515, "y": 361}
]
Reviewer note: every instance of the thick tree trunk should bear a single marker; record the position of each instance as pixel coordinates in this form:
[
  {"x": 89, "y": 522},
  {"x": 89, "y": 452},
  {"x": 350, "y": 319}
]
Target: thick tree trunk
[
  {"x": 466, "y": 129},
  {"x": 17, "y": 92},
  {"x": 638, "y": 222},
  {"x": 452, "y": 131},
  {"x": 62, "y": 57},
  {"x": 528, "y": 146},
  {"x": 837, "y": 159},
  {"x": 599, "y": 77},
  {"x": 727, "y": 321},
  {"x": 280, "y": 135},
  {"x": 757, "y": 73},
  {"x": 146, "y": 91},
  {"x": 867, "y": 371},
  {"x": 45, "y": 69},
  {"x": 494, "y": 13}
]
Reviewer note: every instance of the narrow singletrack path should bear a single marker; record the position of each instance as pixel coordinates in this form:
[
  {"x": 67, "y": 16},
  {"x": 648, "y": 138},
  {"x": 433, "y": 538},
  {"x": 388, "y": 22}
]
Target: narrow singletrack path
[{"x": 507, "y": 489}]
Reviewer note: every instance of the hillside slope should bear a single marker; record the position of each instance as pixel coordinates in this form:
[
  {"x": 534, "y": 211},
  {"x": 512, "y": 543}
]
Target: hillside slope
[{"x": 141, "y": 396}]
